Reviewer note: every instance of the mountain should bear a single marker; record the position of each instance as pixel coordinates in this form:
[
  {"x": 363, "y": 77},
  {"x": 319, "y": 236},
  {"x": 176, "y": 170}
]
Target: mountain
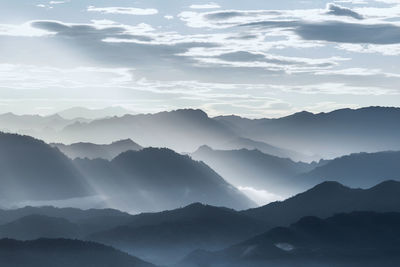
[
  {"x": 355, "y": 239},
  {"x": 39, "y": 226},
  {"x": 89, "y": 221},
  {"x": 43, "y": 127},
  {"x": 356, "y": 170},
  {"x": 246, "y": 143},
  {"x": 63, "y": 253},
  {"x": 330, "y": 198},
  {"x": 32, "y": 170},
  {"x": 93, "y": 114},
  {"x": 181, "y": 130},
  {"x": 252, "y": 168},
  {"x": 166, "y": 237},
  {"x": 330, "y": 135},
  {"x": 92, "y": 151},
  {"x": 157, "y": 179}
]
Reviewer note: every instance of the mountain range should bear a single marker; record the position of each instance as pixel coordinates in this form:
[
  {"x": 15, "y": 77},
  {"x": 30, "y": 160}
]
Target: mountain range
[
  {"x": 354, "y": 239},
  {"x": 169, "y": 236},
  {"x": 328, "y": 135},
  {"x": 63, "y": 253},
  {"x": 93, "y": 151},
  {"x": 147, "y": 180}
]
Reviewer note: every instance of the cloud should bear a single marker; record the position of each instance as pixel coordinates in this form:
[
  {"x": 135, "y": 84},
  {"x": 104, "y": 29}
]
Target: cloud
[
  {"x": 337, "y": 10},
  {"x": 210, "y": 5},
  {"x": 22, "y": 30},
  {"x": 342, "y": 32},
  {"x": 123, "y": 10}
]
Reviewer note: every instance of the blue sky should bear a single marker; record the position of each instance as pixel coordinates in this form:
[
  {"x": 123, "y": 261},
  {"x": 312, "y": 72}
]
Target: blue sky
[{"x": 252, "y": 58}]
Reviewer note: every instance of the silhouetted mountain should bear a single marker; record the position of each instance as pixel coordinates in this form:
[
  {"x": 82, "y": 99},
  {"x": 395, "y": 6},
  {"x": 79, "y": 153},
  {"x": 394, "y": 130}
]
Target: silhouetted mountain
[
  {"x": 330, "y": 134},
  {"x": 39, "y": 226},
  {"x": 158, "y": 179},
  {"x": 89, "y": 221},
  {"x": 167, "y": 237},
  {"x": 356, "y": 170},
  {"x": 93, "y": 114},
  {"x": 92, "y": 151},
  {"x": 32, "y": 170},
  {"x": 63, "y": 253},
  {"x": 252, "y": 168},
  {"x": 330, "y": 198},
  {"x": 355, "y": 239}
]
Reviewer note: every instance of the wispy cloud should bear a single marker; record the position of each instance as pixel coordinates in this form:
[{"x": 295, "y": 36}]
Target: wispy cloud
[
  {"x": 210, "y": 5},
  {"x": 123, "y": 10}
]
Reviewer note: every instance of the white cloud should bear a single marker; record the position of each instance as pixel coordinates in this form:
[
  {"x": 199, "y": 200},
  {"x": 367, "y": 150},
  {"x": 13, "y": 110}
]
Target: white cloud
[
  {"x": 210, "y": 5},
  {"x": 123, "y": 10},
  {"x": 23, "y": 30}
]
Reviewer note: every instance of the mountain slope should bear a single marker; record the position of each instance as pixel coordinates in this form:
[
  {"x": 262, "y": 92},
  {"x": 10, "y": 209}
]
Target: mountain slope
[
  {"x": 89, "y": 221},
  {"x": 168, "y": 236},
  {"x": 158, "y": 179},
  {"x": 330, "y": 134},
  {"x": 92, "y": 151},
  {"x": 357, "y": 170},
  {"x": 32, "y": 170},
  {"x": 252, "y": 168},
  {"x": 329, "y": 198},
  {"x": 39, "y": 226},
  {"x": 63, "y": 253},
  {"x": 355, "y": 239}
]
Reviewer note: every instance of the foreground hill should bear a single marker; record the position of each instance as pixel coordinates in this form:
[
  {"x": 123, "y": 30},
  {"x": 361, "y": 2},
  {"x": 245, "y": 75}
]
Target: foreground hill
[
  {"x": 252, "y": 168},
  {"x": 330, "y": 134},
  {"x": 32, "y": 170},
  {"x": 168, "y": 236},
  {"x": 330, "y": 198},
  {"x": 92, "y": 151},
  {"x": 157, "y": 179},
  {"x": 355, "y": 239},
  {"x": 63, "y": 253},
  {"x": 356, "y": 170}
]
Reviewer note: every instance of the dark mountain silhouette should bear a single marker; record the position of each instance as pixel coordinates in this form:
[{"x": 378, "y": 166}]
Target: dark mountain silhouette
[
  {"x": 32, "y": 170},
  {"x": 92, "y": 151},
  {"x": 355, "y": 239},
  {"x": 330, "y": 134},
  {"x": 168, "y": 236},
  {"x": 63, "y": 253},
  {"x": 329, "y": 198},
  {"x": 89, "y": 221},
  {"x": 254, "y": 169},
  {"x": 39, "y": 226},
  {"x": 157, "y": 179},
  {"x": 356, "y": 170}
]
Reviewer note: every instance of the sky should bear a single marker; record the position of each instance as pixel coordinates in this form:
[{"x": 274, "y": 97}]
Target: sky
[{"x": 254, "y": 58}]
